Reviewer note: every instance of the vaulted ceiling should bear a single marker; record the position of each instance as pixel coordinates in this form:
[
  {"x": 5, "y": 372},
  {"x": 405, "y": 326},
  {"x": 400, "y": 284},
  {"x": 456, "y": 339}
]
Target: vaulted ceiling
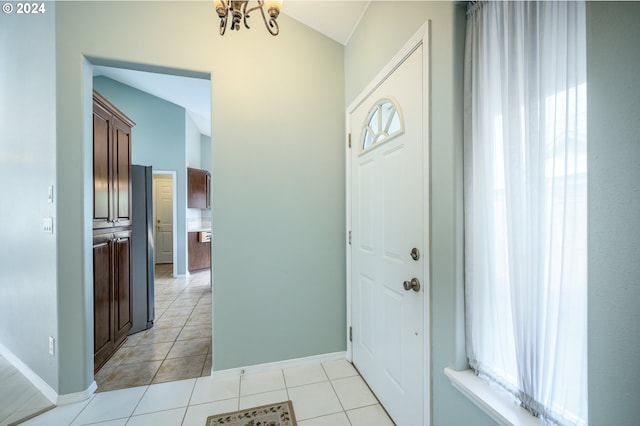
[{"x": 337, "y": 19}]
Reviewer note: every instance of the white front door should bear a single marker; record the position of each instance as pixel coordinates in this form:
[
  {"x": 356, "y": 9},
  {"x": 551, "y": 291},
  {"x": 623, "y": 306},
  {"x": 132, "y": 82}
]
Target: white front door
[
  {"x": 163, "y": 218},
  {"x": 388, "y": 181}
]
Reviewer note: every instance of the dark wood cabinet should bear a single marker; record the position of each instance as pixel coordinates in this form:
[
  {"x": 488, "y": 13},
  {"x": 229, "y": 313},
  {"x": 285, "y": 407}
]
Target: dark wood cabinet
[
  {"x": 111, "y": 165},
  {"x": 111, "y": 229},
  {"x": 199, "y": 253},
  {"x": 112, "y": 307},
  {"x": 198, "y": 189}
]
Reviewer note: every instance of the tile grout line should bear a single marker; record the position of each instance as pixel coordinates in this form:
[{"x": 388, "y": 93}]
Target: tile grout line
[
  {"x": 172, "y": 294},
  {"x": 336, "y": 393}
]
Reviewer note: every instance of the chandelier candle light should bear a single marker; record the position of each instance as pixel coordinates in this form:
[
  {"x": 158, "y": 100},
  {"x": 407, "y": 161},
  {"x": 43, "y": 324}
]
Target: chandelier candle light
[{"x": 237, "y": 11}]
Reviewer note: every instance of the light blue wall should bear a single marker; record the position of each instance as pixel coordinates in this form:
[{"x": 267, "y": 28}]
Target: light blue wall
[
  {"x": 278, "y": 171},
  {"x": 192, "y": 142},
  {"x": 158, "y": 140},
  {"x": 28, "y": 293},
  {"x": 206, "y": 157},
  {"x": 613, "y": 140},
  {"x": 193, "y": 147},
  {"x": 370, "y": 49}
]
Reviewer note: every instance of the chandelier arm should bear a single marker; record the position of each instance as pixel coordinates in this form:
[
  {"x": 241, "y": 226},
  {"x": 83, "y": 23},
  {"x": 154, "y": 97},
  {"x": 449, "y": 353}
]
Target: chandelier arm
[
  {"x": 272, "y": 24},
  {"x": 240, "y": 11},
  {"x": 222, "y": 9},
  {"x": 223, "y": 25}
]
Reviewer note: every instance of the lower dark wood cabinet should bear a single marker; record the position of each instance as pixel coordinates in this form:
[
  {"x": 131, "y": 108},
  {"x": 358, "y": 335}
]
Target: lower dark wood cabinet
[
  {"x": 199, "y": 253},
  {"x": 112, "y": 308}
]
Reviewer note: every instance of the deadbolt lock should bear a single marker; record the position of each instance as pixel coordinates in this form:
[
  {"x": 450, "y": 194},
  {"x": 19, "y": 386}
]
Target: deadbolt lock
[{"x": 415, "y": 253}]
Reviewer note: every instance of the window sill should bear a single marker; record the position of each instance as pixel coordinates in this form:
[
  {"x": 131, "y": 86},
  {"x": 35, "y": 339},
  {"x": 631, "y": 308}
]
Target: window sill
[{"x": 490, "y": 399}]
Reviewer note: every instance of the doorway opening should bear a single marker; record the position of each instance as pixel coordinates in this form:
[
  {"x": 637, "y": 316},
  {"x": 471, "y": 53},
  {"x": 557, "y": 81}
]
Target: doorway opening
[{"x": 177, "y": 345}]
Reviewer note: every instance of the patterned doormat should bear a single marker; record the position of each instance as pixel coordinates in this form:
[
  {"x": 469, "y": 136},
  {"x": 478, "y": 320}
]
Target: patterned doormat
[{"x": 280, "y": 414}]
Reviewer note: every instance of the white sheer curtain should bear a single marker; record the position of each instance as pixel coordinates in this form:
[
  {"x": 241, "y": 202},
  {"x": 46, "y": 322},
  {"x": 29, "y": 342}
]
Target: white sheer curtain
[{"x": 525, "y": 203}]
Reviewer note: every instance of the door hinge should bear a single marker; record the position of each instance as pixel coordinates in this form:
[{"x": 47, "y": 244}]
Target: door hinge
[
  {"x": 349, "y": 140},
  {"x": 349, "y": 237},
  {"x": 351, "y": 334}
]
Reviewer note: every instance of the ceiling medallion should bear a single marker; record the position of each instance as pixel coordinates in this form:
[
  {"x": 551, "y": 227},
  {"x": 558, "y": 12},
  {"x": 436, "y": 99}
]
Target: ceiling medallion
[{"x": 237, "y": 11}]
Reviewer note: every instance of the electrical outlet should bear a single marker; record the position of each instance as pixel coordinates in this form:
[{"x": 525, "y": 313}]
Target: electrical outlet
[
  {"x": 47, "y": 225},
  {"x": 52, "y": 345}
]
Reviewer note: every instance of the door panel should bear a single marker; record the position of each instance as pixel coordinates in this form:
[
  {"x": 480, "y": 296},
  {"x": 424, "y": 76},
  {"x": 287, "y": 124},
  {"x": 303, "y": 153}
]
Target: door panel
[
  {"x": 122, "y": 261},
  {"x": 163, "y": 211},
  {"x": 101, "y": 165},
  {"x": 122, "y": 160},
  {"x": 103, "y": 308},
  {"x": 387, "y": 222}
]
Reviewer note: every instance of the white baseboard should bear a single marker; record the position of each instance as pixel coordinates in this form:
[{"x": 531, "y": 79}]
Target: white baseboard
[
  {"x": 70, "y": 398},
  {"x": 43, "y": 386},
  {"x": 30, "y": 375},
  {"x": 278, "y": 365}
]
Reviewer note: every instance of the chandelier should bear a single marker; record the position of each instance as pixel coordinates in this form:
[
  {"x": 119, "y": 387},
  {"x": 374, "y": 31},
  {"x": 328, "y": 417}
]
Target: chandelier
[{"x": 237, "y": 11}]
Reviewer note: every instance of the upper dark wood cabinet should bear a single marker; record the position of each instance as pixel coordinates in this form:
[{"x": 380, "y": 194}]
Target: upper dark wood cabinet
[
  {"x": 198, "y": 184},
  {"x": 111, "y": 165}
]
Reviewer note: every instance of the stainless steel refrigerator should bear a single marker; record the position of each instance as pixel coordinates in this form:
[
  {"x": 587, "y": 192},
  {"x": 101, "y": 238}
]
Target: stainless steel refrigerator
[{"x": 142, "y": 261}]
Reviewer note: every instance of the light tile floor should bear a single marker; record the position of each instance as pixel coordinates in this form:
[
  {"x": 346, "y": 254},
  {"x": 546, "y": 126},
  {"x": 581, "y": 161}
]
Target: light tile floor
[
  {"x": 162, "y": 376},
  {"x": 323, "y": 394},
  {"x": 177, "y": 347}
]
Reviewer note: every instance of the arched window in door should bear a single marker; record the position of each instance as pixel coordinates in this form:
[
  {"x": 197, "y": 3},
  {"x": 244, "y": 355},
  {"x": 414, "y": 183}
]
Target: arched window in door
[{"x": 384, "y": 122}]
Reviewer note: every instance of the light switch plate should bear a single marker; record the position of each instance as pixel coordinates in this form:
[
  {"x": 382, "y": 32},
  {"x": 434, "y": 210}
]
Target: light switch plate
[
  {"x": 47, "y": 225},
  {"x": 50, "y": 194}
]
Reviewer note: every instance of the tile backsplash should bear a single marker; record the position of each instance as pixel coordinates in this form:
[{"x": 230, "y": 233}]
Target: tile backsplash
[{"x": 198, "y": 224}]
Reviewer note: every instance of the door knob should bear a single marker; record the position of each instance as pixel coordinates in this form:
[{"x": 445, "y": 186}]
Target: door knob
[{"x": 414, "y": 285}]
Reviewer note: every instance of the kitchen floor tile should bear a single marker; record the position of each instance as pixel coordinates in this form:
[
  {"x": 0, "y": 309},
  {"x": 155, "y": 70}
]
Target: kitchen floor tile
[
  {"x": 130, "y": 375},
  {"x": 185, "y": 348},
  {"x": 180, "y": 369},
  {"x": 208, "y": 361},
  {"x": 160, "y": 335},
  {"x": 146, "y": 353},
  {"x": 195, "y": 332}
]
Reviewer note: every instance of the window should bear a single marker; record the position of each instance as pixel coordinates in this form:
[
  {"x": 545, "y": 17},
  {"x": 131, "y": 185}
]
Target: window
[
  {"x": 384, "y": 122},
  {"x": 526, "y": 203}
]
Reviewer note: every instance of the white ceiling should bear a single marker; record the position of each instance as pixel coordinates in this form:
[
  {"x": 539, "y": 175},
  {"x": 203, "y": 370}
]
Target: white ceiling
[
  {"x": 193, "y": 94},
  {"x": 336, "y": 19}
]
